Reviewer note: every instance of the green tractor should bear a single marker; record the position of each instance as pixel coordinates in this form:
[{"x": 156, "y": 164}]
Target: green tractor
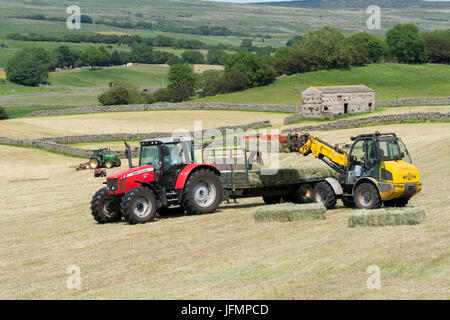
[{"x": 101, "y": 158}]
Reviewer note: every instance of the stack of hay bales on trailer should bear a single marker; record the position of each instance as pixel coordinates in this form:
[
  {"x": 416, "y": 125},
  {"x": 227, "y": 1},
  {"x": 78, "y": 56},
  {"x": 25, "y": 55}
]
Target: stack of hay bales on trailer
[
  {"x": 266, "y": 177},
  {"x": 288, "y": 212},
  {"x": 387, "y": 217}
]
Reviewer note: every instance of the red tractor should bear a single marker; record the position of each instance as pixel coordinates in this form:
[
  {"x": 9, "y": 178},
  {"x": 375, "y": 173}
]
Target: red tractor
[{"x": 166, "y": 179}]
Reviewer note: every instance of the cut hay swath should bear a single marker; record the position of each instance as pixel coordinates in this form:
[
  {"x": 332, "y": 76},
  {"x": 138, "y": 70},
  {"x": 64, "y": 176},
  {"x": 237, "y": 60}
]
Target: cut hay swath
[
  {"x": 387, "y": 217},
  {"x": 287, "y": 212}
]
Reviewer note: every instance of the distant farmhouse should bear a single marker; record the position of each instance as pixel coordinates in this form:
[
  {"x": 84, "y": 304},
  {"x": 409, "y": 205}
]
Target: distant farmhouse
[{"x": 326, "y": 102}]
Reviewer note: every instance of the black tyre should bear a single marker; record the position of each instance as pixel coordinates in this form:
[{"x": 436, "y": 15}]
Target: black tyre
[
  {"x": 272, "y": 199},
  {"x": 118, "y": 162},
  {"x": 166, "y": 212},
  {"x": 109, "y": 164},
  {"x": 93, "y": 163},
  {"x": 303, "y": 193},
  {"x": 103, "y": 210},
  {"x": 400, "y": 203},
  {"x": 202, "y": 193},
  {"x": 324, "y": 193},
  {"x": 366, "y": 196},
  {"x": 139, "y": 205},
  {"x": 348, "y": 202}
]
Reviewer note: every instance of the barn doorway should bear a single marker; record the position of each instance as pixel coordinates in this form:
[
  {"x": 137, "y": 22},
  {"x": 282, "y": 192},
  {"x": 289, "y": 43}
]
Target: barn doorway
[{"x": 345, "y": 108}]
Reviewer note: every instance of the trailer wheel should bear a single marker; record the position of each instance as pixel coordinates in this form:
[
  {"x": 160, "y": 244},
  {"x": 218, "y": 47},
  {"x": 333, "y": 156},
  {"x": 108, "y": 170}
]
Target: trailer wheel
[
  {"x": 367, "y": 196},
  {"x": 105, "y": 211},
  {"x": 93, "y": 163},
  {"x": 324, "y": 193},
  {"x": 303, "y": 193},
  {"x": 272, "y": 199},
  {"x": 139, "y": 205},
  {"x": 202, "y": 192}
]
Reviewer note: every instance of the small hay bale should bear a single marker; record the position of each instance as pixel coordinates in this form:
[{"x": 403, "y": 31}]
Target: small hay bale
[
  {"x": 287, "y": 212},
  {"x": 387, "y": 217}
]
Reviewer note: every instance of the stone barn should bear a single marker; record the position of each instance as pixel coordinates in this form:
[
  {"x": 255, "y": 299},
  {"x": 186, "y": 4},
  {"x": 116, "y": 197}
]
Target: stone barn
[{"x": 326, "y": 102}]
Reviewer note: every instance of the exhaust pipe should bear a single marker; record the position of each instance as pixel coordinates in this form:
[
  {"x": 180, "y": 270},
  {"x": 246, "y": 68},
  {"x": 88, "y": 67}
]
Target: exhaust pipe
[{"x": 128, "y": 154}]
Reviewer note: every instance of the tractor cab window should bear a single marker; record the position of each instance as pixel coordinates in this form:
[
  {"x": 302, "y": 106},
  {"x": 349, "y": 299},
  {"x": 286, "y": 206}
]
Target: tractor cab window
[
  {"x": 177, "y": 155},
  {"x": 150, "y": 156},
  {"x": 393, "y": 150}
]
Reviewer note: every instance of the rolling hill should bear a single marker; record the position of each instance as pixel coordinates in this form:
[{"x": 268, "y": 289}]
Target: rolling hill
[{"x": 390, "y": 81}]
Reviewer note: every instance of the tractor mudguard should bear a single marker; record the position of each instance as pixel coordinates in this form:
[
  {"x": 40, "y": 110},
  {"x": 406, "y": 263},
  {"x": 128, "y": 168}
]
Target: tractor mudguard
[{"x": 186, "y": 172}]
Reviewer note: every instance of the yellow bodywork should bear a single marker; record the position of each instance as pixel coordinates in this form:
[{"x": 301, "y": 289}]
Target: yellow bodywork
[{"x": 320, "y": 149}]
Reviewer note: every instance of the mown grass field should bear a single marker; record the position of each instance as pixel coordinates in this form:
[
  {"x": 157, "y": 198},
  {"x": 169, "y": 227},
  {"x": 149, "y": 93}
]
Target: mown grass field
[
  {"x": 130, "y": 122},
  {"x": 390, "y": 81},
  {"x": 47, "y": 227},
  {"x": 140, "y": 76}
]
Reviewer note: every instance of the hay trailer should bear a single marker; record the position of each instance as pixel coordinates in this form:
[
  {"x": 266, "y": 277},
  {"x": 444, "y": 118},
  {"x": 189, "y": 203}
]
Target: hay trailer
[{"x": 243, "y": 176}]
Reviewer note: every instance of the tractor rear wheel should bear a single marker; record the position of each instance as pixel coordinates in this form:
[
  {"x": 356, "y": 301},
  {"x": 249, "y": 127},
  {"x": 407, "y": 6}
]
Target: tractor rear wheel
[
  {"x": 104, "y": 210},
  {"x": 303, "y": 193},
  {"x": 94, "y": 163},
  {"x": 202, "y": 192},
  {"x": 109, "y": 164},
  {"x": 272, "y": 199},
  {"x": 324, "y": 193},
  {"x": 118, "y": 162},
  {"x": 367, "y": 197},
  {"x": 139, "y": 205}
]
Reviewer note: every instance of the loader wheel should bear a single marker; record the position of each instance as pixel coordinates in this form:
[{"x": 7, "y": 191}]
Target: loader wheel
[
  {"x": 272, "y": 199},
  {"x": 202, "y": 193},
  {"x": 105, "y": 211},
  {"x": 400, "y": 203},
  {"x": 303, "y": 193},
  {"x": 367, "y": 196},
  {"x": 93, "y": 163},
  {"x": 348, "y": 202},
  {"x": 324, "y": 193},
  {"x": 109, "y": 164},
  {"x": 139, "y": 205}
]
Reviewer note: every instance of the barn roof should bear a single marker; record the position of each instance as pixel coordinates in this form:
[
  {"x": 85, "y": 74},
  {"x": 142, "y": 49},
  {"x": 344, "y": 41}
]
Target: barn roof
[{"x": 344, "y": 89}]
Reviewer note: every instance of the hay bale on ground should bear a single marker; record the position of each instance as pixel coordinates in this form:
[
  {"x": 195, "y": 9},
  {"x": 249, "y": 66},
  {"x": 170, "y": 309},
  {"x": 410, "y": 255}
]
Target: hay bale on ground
[
  {"x": 387, "y": 217},
  {"x": 287, "y": 212}
]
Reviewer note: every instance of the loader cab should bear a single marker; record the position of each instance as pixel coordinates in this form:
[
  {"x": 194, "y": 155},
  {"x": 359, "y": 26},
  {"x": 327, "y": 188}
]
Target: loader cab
[
  {"x": 369, "y": 153},
  {"x": 168, "y": 156}
]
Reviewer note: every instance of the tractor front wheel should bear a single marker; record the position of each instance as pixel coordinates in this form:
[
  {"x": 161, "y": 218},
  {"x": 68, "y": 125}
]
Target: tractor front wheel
[
  {"x": 139, "y": 205},
  {"x": 367, "y": 196},
  {"x": 104, "y": 210},
  {"x": 202, "y": 192}
]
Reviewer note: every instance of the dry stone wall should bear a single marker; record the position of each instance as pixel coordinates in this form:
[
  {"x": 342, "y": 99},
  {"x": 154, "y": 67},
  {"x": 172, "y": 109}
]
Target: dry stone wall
[
  {"x": 354, "y": 122},
  {"x": 59, "y": 144}
]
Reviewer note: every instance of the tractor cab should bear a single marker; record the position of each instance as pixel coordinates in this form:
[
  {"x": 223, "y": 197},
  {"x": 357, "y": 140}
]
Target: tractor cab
[{"x": 168, "y": 156}]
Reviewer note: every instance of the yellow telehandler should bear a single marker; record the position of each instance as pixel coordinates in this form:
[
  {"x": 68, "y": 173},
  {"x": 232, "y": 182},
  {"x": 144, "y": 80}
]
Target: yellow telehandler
[{"x": 376, "y": 170}]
